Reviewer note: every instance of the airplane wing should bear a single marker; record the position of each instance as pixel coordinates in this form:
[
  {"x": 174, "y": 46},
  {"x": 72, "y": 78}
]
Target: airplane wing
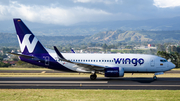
[
  {"x": 22, "y": 55},
  {"x": 83, "y": 65}
]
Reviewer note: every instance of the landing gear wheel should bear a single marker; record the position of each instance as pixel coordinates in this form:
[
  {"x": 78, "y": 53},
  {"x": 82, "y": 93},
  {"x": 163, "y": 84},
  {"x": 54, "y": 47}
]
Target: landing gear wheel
[
  {"x": 154, "y": 78},
  {"x": 93, "y": 77}
]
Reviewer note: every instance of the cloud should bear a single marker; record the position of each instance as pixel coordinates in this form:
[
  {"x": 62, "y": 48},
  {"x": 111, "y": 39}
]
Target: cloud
[
  {"x": 51, "y": 14},
  {"x": 71, "y": 12},
  {"x": 167, "y": 3},
  {"x": 98, "y": 1}
]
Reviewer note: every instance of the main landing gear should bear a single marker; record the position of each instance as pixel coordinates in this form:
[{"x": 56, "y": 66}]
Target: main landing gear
[{"x": 93, "y": 76}]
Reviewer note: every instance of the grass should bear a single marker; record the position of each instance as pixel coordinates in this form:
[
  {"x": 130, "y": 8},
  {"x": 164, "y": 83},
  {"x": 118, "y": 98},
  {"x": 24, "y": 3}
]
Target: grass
[{"x": 87, "y": 95}]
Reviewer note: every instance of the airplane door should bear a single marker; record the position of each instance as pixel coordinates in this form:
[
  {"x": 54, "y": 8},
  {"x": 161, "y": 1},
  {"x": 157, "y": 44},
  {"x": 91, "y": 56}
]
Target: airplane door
[
  {"x": 46, "y": 60},
  {"x": 152, "y": 62}
]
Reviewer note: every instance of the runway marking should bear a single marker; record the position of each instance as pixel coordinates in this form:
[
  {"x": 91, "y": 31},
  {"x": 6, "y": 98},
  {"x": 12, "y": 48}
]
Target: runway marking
[{"x": 51, "y": 82}]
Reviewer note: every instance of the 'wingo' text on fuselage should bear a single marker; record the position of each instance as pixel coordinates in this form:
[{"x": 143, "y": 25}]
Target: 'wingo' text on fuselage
[{"x": 133, "y": 61}]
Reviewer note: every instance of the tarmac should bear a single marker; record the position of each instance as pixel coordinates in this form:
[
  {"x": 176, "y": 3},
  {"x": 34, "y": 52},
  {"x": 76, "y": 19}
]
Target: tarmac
[{"x": 121, "y": 83}]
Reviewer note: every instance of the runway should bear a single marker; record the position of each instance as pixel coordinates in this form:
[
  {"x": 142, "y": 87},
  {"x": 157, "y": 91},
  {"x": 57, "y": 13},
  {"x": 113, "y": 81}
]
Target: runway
[{"x": 85, "y": 83}]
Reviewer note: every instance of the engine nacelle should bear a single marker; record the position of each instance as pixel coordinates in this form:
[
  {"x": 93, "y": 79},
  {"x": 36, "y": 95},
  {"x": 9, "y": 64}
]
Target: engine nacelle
[{"x": 114, "y": 72}]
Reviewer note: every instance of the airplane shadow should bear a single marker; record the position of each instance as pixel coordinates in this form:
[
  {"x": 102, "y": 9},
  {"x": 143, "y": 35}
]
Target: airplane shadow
[{"x": 140, "y": 80}]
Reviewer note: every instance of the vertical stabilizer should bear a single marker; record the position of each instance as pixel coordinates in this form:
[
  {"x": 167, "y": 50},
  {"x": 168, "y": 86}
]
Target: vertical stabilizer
[{"x": 29, "y": 44}]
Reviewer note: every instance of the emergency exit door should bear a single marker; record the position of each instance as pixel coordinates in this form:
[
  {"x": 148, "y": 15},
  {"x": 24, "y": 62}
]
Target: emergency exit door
[{"x": 152, "y": 62}]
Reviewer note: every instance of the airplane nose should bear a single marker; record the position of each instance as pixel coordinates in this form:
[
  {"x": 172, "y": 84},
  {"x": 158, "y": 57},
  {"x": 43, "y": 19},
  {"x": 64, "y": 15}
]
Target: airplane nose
[{"x": 173, "y": 65}]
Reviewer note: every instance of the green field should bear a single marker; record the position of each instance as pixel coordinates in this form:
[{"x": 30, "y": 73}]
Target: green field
[{"x": 87, "y": 95}]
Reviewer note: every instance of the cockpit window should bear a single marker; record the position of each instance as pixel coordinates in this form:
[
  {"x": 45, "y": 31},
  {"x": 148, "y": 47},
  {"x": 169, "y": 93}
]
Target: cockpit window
[{"x": 163, "y": 60}]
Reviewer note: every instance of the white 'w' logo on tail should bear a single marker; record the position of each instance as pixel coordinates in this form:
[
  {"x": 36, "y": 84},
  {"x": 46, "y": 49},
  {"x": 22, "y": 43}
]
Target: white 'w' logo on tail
[{"x": 26, "y": 43}]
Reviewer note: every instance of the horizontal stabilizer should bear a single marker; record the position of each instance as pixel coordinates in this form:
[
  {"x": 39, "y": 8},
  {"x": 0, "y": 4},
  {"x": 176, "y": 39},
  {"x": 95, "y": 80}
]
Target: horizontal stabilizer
[{"x": 22, "y": 55}]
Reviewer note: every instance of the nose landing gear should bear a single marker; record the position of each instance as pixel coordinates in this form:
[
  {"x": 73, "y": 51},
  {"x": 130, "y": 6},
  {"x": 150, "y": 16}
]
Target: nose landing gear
[
  {"x": 154, "y": 77},
  {"x": 158, "y": 73}
]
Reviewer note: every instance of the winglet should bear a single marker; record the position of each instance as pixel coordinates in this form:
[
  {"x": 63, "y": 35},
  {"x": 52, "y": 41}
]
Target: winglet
[{"x": 58, "y": 53}]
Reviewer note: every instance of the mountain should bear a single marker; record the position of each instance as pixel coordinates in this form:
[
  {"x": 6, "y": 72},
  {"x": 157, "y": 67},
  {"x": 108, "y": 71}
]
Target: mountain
[
  {"x": 135, "y": 36},
  {"x": 9, "y": 39}
]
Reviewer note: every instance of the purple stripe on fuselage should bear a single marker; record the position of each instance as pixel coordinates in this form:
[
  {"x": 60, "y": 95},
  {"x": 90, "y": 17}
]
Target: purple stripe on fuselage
[{"x": 52, "y": 64}]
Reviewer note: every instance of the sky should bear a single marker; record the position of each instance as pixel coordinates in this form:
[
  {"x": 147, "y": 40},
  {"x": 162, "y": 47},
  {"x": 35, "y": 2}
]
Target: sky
[{"x": 69, "y": 12}]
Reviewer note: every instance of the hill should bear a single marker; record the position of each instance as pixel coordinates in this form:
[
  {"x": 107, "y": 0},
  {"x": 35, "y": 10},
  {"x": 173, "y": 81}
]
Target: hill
[
  {"x": 9, "y": 39},
  {"x": 135, "y": 36}
]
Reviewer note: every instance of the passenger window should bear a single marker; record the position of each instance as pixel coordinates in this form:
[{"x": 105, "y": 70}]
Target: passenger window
[{"x": 99, "y": 60}]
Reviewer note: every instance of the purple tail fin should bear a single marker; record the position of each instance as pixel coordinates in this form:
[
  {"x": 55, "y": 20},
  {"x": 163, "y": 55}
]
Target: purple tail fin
[{"x": 29, "y": 44}]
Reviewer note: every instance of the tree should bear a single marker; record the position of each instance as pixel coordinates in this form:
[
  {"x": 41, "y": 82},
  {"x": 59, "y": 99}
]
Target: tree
[
  {"x": 161, "y": 48},
  {"x": 173, "y": 49},
  {"x": 174, "y": 56},
  {"x": 178, "y": 49},
  {"x": 129, "y": 47},
  {"x": 1, "y": 58},
  {"x": 104, "y": 46}
]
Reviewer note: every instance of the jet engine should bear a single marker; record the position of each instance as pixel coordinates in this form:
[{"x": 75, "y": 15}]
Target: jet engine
[{"x": 114, "y": 72}]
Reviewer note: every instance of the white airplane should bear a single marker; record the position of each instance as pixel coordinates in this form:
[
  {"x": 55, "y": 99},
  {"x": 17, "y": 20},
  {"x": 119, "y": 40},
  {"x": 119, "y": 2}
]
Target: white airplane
[{"x": 111, "y": 65}]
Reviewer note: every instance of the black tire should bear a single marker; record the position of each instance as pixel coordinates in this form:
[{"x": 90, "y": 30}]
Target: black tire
[
  {"x": 154, "y": 78},
  {"x": 93, "y": 77}
]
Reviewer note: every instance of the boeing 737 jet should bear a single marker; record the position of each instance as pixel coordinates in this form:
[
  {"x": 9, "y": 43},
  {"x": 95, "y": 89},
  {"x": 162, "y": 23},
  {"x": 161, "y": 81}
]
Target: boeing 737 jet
[{"x": 111, "y": 65}]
